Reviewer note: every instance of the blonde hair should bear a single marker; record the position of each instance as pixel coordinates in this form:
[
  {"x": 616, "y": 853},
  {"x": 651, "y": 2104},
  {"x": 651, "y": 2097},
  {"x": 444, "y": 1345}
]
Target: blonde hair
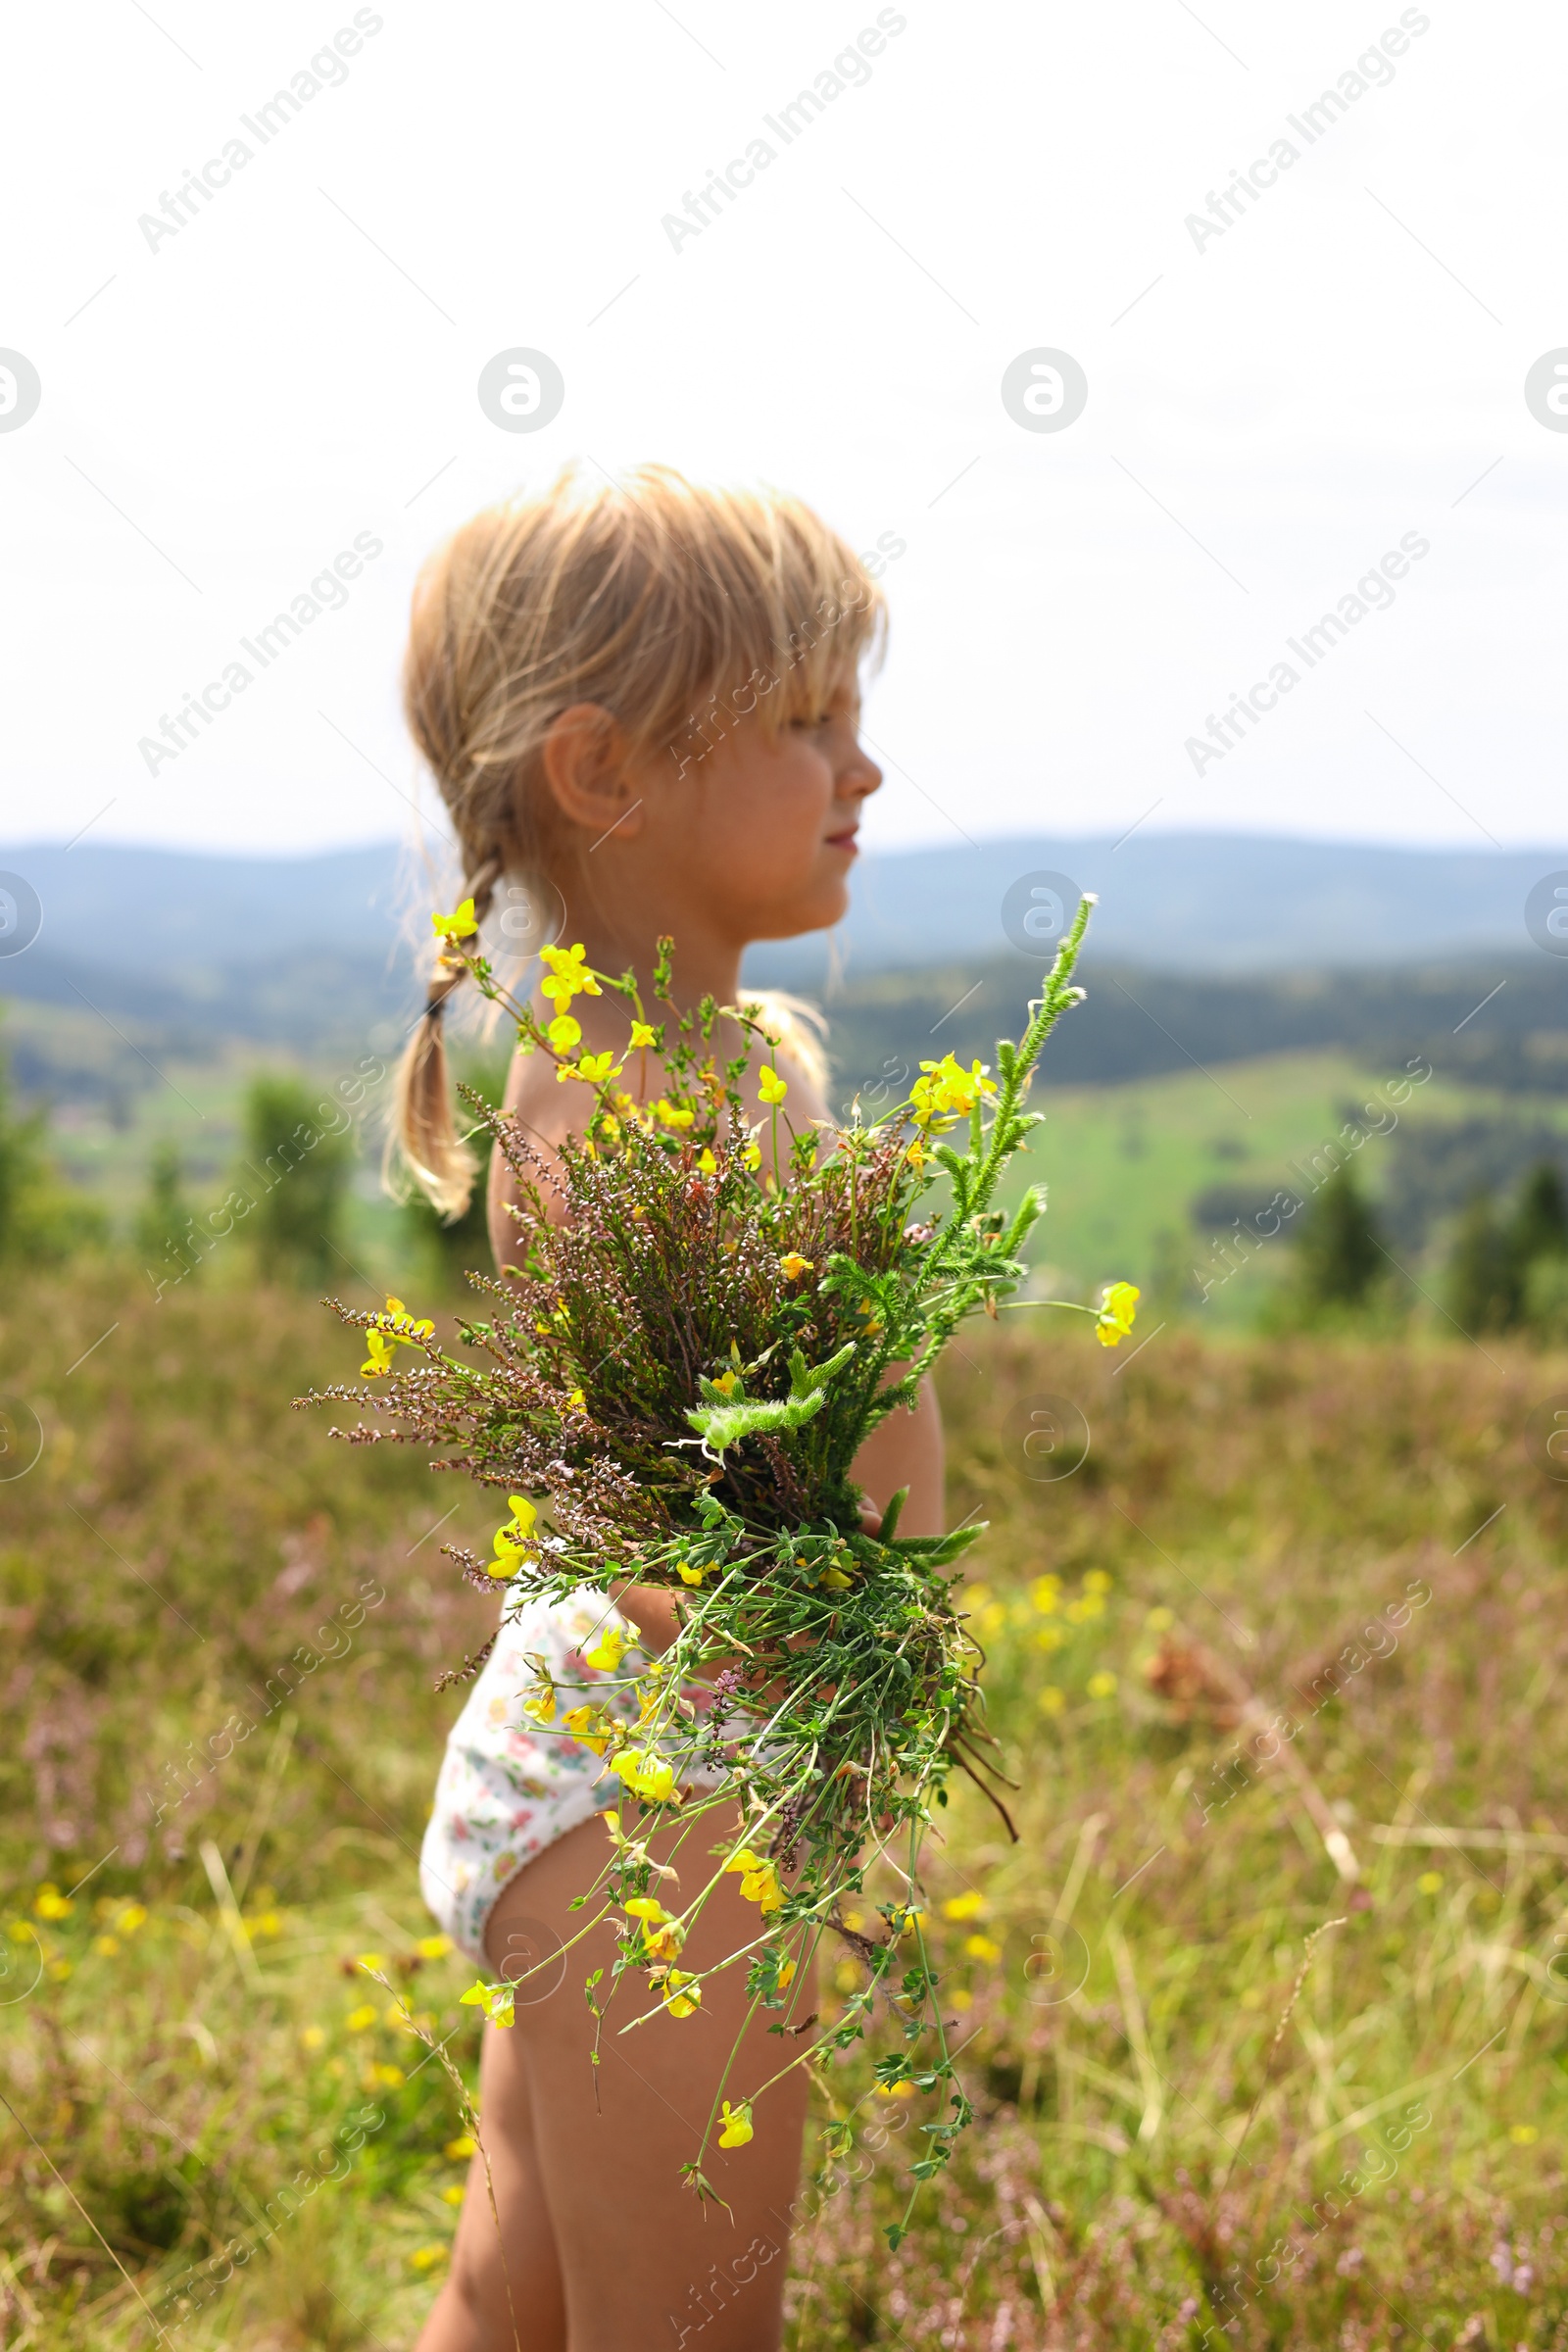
[{"x": 654, "y": 600}]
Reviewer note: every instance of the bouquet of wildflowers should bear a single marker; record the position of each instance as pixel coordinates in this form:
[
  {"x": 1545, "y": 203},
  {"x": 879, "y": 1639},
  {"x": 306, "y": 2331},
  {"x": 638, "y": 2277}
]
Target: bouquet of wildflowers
[{"x": 672, "y": 1386}]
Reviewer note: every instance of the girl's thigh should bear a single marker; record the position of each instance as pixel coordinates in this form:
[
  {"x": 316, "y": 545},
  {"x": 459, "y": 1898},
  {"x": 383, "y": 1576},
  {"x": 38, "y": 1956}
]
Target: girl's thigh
[{"x": 643, "y": 2259}]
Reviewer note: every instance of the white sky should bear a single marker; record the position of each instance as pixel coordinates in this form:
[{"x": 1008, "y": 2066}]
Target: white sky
[{"x": 1309, "y": 387}]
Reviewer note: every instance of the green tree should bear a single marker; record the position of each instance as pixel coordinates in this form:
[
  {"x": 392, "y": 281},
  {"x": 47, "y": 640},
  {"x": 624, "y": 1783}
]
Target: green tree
[
  {"x": 1338, "y": 1260},
  {"x": 40, "y": 1216},
  {"x": 1540, "y": 1225},
  {"x": 163, "y": 1217},
  {"x": 296, "y": 1174},
  {"x": 463, "y": 1242},
  {"x": 1483, "y": 1273}
]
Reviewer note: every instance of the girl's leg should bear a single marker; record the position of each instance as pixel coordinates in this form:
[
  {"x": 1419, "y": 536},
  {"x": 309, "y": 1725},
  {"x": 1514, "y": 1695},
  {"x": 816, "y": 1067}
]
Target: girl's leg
[
  {"x": 643, "y": 2262},
  {"x": 473, "y": 2312}
]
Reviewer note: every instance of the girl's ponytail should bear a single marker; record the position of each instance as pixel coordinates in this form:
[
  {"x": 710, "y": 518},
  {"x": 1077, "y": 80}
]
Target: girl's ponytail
[{"x": 424, "y": 1137}]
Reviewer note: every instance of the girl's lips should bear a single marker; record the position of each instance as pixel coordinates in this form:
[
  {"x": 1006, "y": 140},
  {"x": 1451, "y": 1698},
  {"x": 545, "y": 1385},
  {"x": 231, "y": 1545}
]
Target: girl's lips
[{"x": 845, "y": 842}]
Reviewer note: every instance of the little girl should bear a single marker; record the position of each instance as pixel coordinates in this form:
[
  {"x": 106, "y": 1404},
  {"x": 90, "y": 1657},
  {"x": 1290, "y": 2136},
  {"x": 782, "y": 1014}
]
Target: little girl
[{"x": 643, "y": 704}]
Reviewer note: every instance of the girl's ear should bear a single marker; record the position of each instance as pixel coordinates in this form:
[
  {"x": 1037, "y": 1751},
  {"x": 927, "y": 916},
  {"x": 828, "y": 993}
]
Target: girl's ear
[{"x": 585, "y": 757}]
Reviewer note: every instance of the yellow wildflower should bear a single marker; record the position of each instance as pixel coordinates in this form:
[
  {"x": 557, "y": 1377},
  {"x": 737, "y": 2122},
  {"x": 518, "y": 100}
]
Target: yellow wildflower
[
  {"x": 426, "y": 2258},
  {"x": 673, "y": 1114},
  {"x": 542, "y": 1706},
  {"x": 453, "y": 2193},
  {"x": 1101, "y": 1685},
  {"x": 646, "y": 1774},
  {"x": 707, "y": 1164},
  {"x": 462, "y": 925},
  {"x": 408, "y": 1330},
  {"x": 688, "y": 1574},
  {"x": 587, "y": 1724},
  {"x": 1051, "y": 1700},
  {"x": 680, "y": 2001},
  {"x": 1097, "y": 1581},
  {"x": 597, "y": 1069},
  {"x": 772, "y": 1089},
  {"x": 981, "y": 1947},
  {"x": 1046, "y": 1593},
  {"x": 945, "y": 1092},
  {"x": 759, "y": 1882},
  {"x": 311, "y": 2037},
  {"x": 433, "y": 1947},
  {"x": 498, "y": 2001},
  {"x": 608, "y": 1650},
  {"x": 50, "y": 1903},
  {"x": 643, "y": 1032},
  {"x": 791, "y": 1266},
  {"x": 360, "y": 2020},
  {"x": 752, "y": 1156},
  {"x": 737, "y": 2129},
  {"x": 574, "y": 1402},
  {"x": 379, "y": 1358},
  {"x": 369, "y": 1961},
  {"x": 968, "y": 1905},
  {"x": 1118, "y": 1310},
  {"x": 564, "y": 1033},
  {"x": 458, "y": 2151},
  {"x": 570, "y": 975},
  {"x": 508, "y": 1553},
  {"x": 106, "y": 1946}
]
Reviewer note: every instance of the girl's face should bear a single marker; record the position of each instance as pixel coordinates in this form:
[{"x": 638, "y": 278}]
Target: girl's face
[{"x": 759, "y": 834}]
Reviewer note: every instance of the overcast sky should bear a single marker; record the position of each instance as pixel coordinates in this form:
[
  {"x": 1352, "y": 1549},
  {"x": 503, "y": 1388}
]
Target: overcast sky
[{"x": 1274, "y": 404}]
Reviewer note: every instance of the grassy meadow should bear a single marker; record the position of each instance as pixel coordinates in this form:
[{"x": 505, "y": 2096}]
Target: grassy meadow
[{"x": 1259, "y": 2011}]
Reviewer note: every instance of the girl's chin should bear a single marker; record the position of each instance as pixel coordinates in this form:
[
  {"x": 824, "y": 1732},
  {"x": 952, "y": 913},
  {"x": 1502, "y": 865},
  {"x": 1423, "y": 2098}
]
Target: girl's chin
[{"x": 815, "y": 910}]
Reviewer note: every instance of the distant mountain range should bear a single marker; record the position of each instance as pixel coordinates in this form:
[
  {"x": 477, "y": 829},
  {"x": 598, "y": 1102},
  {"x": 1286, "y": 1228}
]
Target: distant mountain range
[
  {"x": 1233, "y": 945},
  {"x": 1200, "y": 902}
]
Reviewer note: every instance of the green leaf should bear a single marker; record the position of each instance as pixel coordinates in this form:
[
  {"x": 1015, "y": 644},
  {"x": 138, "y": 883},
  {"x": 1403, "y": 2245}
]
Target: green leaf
[
  {"x": 808, "y": 1380},
  {"x": 935, "y": 1551},
  {"x": 720, "y": 1426}
]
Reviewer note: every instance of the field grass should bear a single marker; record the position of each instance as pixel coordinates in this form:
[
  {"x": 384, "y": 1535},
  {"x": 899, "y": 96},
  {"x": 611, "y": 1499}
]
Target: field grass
[{"x": 1177, "y": 2129}]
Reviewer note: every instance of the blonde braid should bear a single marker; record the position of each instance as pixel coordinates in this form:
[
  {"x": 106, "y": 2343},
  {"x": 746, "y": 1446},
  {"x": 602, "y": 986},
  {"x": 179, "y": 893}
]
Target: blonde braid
[{"x": 423, "y": 1135}]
